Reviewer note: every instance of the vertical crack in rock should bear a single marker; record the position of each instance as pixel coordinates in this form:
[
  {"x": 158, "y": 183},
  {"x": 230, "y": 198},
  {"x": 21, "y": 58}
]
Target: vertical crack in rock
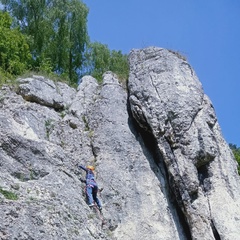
[
  {"x": 203, "y": 176},
  {"x": 165, "y": 156},
  {"x": 212, "y": 225},
  {"x": 215, "y": 232},
  {"x": 149, "y": 142}
]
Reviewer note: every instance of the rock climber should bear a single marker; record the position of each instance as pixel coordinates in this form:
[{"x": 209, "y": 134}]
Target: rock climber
[{"x": 91, "y": 187}]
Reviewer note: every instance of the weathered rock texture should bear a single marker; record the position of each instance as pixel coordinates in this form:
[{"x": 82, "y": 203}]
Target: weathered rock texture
[
  {"x": 166, "y": 170},
  {"x": 168, "y": 101}
]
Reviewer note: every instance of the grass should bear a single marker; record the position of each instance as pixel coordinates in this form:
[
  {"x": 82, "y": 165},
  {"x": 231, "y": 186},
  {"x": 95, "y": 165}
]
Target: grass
[
  {"x": 87, "y": 128},
  {"x": 6, "y": 78},
  {"x": 50, "y": 75},
  {"x": 8, "y": 195},
  {"x": 178, "y": 54},
  {"x": 9, "y": 79},
  {"x": 49, "y": 125}
]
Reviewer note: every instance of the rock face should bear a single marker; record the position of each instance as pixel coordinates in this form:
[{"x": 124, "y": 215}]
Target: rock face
[
  {"x": 166, "y": 170},
  {"x": 168, "y": 101}
]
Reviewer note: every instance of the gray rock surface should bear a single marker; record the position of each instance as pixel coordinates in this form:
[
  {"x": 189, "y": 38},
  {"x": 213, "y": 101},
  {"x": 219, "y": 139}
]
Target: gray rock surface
[
  {"x": 166, "y": 170},
  {"x": 167, "y": 100},
  {"x": 44, "y": 91}
]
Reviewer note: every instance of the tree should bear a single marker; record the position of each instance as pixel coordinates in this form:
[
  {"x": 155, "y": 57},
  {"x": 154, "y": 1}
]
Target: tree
[
  {"x": 101, "y": 59},
  {"x": 98, "y": 60},
  {"x": 57, "y": 32},
  {"x": 70, "y": 37},
  {"x": 31, "y": 17},
  {"x": 119, "y": 64},
  {"x": 14, "y": 50}
]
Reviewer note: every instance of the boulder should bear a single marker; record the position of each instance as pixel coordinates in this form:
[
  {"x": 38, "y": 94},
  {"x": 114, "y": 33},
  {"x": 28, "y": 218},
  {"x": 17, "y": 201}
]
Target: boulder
[{"x": 46, "y": 92}]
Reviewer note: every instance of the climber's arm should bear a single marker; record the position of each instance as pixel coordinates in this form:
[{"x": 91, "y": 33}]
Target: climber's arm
[{"x": 82, "y": 167}]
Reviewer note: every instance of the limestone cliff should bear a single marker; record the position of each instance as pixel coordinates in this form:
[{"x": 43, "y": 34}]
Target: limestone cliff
[{"x": 166, "y": 170}]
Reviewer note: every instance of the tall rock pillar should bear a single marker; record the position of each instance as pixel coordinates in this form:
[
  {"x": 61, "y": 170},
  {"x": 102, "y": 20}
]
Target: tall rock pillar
[{"x": 167, "y": 100}]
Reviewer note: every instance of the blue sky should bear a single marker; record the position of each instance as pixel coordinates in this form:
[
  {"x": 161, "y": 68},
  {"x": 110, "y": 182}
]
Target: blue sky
[{"x": 207, "y": 32}]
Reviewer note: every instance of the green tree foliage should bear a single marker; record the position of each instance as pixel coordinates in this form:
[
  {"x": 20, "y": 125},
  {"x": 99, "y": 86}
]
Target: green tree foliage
[
  {"x": 236, "y": 153},
  {"x": 57, "y": 32},
  {"x": 31, "y": 18},
  {"x": 70, "y": 37},
  {"x": 101, "y": 59},
  {"x": 14, "y": 50},
  {"x": 98, "y": 59},
  {"x": 119, "y": 64}
]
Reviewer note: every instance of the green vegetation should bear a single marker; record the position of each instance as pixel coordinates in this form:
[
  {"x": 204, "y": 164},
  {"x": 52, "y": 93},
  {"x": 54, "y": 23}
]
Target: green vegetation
[
  {"x": 236, "y": 153},
  {"x": 178, "y": 54},
  {"x": 8, "y": 195},
  {"x": 52, "y": 37},
  {"x": 49, "y": 125},
  {"x": 100, "y": 59},
  {"x": 56, "y": 31},
  {"x": 14, "y": 50},
  {"x": 87, "y": 128}
]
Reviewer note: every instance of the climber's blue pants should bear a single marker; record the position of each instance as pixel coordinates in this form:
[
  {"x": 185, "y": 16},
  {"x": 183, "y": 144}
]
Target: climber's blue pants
[{"x": 92, "y": 195}]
